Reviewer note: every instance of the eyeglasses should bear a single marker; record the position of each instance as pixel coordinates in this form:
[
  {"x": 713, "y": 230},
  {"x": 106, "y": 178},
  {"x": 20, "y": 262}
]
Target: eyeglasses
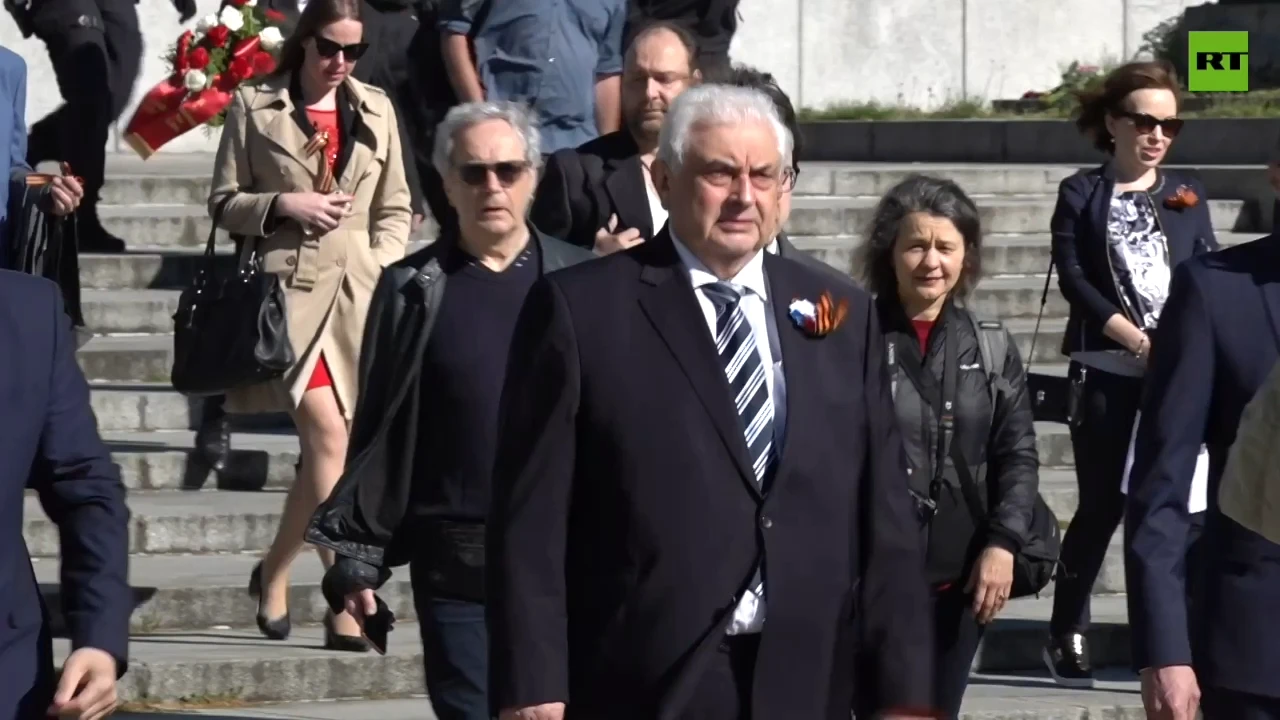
[
  {"x": 508, "y": 172},
  {"x": 328, "y": 48},
  {"x": 1146, "y": 124}
]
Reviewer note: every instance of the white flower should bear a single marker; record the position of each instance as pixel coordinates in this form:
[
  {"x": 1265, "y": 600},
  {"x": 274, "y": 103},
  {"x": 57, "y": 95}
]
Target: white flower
[
  {"x": 270, "y": 38},
  {"x": 207, "y": 23},
  {"x": 195, "y": 80},
  {"x": 802, "y": 309},
  {"x": 251, "y": 3},
  {"x": 232, "y": 18}
]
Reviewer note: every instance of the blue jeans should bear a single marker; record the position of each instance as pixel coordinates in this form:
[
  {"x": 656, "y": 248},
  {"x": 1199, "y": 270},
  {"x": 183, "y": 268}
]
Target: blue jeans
[{"x": 455, "y": 649}]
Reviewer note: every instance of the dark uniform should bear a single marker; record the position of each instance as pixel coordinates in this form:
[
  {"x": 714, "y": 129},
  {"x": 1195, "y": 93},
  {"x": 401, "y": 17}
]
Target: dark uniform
[
  {"x": 95, "y": 47},
  {"x": 712, "y": 22}
]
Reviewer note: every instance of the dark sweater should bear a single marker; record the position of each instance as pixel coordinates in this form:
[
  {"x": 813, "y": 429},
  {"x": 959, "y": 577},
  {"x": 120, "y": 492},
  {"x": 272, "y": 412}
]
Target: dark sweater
[{"x": 462, "y": 378}]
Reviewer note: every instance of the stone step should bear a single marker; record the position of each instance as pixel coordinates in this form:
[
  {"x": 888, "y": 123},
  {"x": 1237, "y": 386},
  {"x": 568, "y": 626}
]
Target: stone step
[
  {"x": 1014, "y": 641},
  {"x": 990, "y": 696},
  {"x": 199, "y": 592},
  {"x": 150, "y": 312},
  {"x": 1002, "y": 253},
  {"x": 187, "y": 226},
  {"x": 184, "y": 178},
  {"x": 178, "y": 226},
  {"x": 813, "y": 215},
  {"x": 164, "y": 460},
  {"x": 232, "y": 667},
  {"x": 133, "y": 359},
  {"x": 147, "y": 406},
  {"x": 177, "y": 521}
]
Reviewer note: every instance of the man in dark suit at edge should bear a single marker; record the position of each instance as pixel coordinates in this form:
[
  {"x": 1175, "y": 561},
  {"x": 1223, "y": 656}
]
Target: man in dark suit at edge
[
  {"x": 1219, "y": 337},
  {"x": 699, "y": 492}
]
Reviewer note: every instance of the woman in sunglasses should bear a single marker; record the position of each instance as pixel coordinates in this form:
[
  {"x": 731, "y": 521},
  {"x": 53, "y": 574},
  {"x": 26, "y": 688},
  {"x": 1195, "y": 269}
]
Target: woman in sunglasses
[
  {"x": 310, "y": 171},
  {"x": 1118, "y": 231}
]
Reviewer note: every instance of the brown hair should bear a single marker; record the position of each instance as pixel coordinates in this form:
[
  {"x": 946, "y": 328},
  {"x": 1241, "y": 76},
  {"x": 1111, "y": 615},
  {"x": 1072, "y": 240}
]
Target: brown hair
[
  {"x": 1107, "y": 99},
  {"x": 316, "y": 16}
]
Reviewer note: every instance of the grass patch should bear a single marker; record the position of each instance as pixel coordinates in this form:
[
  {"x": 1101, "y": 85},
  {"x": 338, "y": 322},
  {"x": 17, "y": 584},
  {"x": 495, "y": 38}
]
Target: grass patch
[{"x": 1258, "y": 104}]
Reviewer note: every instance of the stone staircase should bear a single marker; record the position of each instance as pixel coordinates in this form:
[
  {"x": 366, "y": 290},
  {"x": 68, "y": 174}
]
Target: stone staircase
[{"x": 195, "y": 537}]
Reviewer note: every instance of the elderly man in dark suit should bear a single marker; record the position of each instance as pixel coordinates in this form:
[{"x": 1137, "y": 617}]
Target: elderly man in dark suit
[
  {"x": 1219, "y": 337},
  {"x": 49, "y": 439},
  {"x": 699, "y": 504},
  {"x": 600, "y": 195}
]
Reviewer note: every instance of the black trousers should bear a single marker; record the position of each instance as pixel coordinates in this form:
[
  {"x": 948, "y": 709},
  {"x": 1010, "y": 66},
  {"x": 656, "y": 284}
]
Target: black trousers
[
  {"x": 1101, "y": 445},
  {"x": 95, "y": 47},
  {"x": 956, "y": 637},
  {"x": 1222, "y": 704}
]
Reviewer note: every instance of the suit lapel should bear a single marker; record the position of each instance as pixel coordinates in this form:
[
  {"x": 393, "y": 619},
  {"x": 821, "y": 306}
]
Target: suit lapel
[
  {"x": 787, "y": 282},
  {"x": 356, "y": 116},
  {"x": 667, "y": 299},
  {"x": 630, "y": 196},
  {"x": 282, "y": 126}
]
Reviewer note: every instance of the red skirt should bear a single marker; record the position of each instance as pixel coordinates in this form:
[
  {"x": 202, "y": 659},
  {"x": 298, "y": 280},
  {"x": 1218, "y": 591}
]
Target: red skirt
[{"x": 320, "y": 375}]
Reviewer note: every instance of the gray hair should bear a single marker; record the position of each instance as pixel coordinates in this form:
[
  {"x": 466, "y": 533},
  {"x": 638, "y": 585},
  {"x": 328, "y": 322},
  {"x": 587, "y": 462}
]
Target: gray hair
[
  {"x": 715, "y": 104},
  {"x": 467, "y": 115}
]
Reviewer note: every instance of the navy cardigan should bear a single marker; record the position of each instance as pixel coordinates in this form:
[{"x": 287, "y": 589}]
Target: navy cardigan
[{"x": 1080, "y": 253}]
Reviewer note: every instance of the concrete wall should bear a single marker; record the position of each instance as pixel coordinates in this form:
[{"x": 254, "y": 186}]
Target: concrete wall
[{"x": 913, "y": 52}]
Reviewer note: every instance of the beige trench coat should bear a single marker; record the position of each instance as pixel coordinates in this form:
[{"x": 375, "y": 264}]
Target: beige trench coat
[{"x": 328, "y": 279}]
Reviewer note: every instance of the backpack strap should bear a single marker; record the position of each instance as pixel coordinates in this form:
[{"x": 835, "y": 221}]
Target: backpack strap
[{"x": 993, "y": 343}]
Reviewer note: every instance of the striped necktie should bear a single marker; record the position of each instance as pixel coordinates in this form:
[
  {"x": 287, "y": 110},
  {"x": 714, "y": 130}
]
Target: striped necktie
[{"x": 745, "y": 370}]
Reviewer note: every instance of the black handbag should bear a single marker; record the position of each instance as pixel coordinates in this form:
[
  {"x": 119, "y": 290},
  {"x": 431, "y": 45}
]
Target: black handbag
[
  {"x": 1054, "y": 398},
  {"x": 230, "y": 332}
]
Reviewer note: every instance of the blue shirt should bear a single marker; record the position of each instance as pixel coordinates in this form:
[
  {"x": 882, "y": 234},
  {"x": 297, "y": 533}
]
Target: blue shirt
[
  {"x": 13, "y": 133},
  {"x": 547, "y": 53}
]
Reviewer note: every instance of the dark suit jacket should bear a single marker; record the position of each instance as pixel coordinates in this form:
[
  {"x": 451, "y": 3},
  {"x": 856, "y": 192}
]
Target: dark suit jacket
[
  {"x": 626, "y": 518},
  {"x": 48, "y": 435},
  {"x": 1079, "y": 246},
  {"x": 581, "y": 187},
  {"x": 1219, "y": 336}
]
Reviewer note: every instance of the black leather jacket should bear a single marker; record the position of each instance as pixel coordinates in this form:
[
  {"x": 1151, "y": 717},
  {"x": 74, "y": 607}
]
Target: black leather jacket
[
  {"x": 998, "y": 443},
  {"x": 362, "y": 517}
]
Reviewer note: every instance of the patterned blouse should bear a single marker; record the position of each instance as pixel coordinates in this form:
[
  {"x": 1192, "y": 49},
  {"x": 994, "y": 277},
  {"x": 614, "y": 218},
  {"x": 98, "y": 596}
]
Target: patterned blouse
[{"x": 1139, "y": 254}]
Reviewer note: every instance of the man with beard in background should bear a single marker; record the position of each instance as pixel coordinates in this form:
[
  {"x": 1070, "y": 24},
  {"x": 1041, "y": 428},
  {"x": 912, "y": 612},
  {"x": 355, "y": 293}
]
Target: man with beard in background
[{"x": 601, "y": 196}]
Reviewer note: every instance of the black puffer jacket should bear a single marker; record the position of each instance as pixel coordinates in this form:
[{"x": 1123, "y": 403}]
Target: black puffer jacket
[{"x": 997, "y": 443}]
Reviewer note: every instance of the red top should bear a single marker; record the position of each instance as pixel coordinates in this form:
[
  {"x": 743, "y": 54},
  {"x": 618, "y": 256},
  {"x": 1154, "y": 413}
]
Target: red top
[
  {"x": 923, "y": 328},
  {"x": 327, "y": 120}
]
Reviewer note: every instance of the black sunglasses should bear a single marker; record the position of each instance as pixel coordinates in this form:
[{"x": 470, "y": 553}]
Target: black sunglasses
[
  {"x": 328, "y": 48},
  {"x": 508, "y": 172},
  {"x": 1146, "y": 124}
]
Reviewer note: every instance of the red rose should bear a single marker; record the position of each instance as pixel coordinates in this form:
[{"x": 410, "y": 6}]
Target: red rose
[
  {"x": 218, "y": 36},
  {"x": 263, "y": 63},
  {"x": 198, "y": 59},
  {"x": 240, "y": 69},
  {"x": 239, "y": 3},
  {"x": 274, "y": 16}
]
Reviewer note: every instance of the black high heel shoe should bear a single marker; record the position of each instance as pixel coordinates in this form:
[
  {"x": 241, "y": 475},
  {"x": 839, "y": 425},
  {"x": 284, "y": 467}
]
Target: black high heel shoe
[
  {"x": 333, "y": 640},
  {"x": 277, "y": 629}
]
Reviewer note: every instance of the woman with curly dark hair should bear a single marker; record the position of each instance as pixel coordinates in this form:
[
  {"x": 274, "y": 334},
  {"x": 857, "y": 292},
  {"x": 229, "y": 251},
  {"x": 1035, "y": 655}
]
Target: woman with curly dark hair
[{"x": 1118, "y": 231}]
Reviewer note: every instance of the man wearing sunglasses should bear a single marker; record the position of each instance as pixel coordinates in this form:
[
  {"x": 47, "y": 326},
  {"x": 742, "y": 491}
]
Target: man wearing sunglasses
[{"x": 416, "y": 489}]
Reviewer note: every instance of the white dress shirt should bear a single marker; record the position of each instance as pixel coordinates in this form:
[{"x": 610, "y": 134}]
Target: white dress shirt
[
  {"x": 748, "y": 617},
  {"x": 657, "y": 213}
]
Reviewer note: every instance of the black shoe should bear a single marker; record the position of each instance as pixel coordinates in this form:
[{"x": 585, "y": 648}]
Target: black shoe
[
  {"x": 213, "y": 439},
  {"x": 333, "y": 640},
  {"x": 1067, "y": 658},
  {"x": 277, "y": 629}
]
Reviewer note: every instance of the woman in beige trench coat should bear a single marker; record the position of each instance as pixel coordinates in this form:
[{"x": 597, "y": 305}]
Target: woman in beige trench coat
[{"x": 326, "y": 217}]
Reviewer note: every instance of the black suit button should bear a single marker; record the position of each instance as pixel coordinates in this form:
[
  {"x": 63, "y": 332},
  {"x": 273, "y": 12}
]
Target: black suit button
[{"x": 766, "y": 522}]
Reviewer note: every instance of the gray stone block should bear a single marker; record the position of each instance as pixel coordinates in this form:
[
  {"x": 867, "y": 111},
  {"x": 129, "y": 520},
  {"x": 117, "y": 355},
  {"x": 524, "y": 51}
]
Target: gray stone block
[{"x": 238, "y": 666}]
